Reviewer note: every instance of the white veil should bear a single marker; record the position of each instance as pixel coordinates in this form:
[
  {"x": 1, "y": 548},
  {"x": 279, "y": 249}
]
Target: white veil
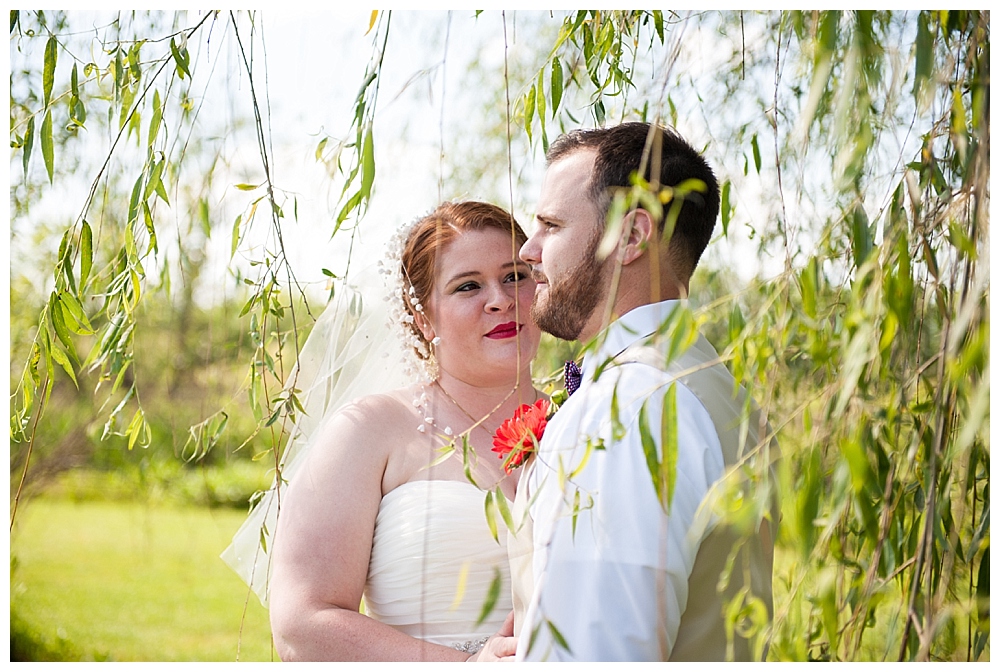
[{"x": 350, "y": 353}]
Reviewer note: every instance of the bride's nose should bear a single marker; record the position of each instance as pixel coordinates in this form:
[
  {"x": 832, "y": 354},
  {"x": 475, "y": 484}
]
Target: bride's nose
[{"x": 499, "y": 300}]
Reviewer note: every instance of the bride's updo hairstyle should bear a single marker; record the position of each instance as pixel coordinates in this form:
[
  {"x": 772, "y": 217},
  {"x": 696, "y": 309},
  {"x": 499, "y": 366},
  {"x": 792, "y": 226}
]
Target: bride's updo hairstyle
[{"x": 424, "y": 242}]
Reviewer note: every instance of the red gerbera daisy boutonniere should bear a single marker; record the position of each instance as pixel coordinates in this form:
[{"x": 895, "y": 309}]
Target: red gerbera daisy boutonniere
[{"x": 519, "y": 435}]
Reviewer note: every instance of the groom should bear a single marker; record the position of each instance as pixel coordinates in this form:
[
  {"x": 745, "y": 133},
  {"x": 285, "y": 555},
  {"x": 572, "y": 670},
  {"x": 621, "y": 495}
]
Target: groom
[{"x": 618, "y": 569}]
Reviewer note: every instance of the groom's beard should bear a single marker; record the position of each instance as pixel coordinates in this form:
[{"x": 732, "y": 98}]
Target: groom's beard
[{"x": 570, "y": 301}]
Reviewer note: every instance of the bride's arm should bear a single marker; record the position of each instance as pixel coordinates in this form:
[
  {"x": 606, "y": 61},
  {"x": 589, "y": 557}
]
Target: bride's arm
[{"x": 323, "y": 544}]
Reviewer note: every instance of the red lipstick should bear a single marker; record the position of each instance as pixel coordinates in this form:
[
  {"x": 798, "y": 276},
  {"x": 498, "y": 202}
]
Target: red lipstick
[{"x": 505, "y": 330}]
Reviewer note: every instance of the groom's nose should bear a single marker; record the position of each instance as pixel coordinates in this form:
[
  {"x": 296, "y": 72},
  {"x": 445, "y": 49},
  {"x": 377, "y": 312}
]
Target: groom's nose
[{"x": 531, "y": 251}]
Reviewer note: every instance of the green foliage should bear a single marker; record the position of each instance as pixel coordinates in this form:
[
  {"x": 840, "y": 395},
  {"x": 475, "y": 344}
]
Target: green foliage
[
  {"x": 164, "y": 482},
  {"x": 150, "y": 188},
  {"x": 662, "y": 470},
  {"x": 116, "y": 281},
  {"x": 187, "y": 458},
  {"x": 858, "y": 349},
  {"x": 593, "y": 47}
]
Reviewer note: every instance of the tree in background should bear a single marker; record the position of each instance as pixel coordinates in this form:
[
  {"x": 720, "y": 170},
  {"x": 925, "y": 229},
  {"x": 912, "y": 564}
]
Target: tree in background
[{"x": 854, "y": 158}]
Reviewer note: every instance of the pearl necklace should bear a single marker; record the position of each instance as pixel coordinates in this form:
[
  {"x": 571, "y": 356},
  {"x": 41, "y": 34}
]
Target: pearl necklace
[{"x": 421, "y": 403}]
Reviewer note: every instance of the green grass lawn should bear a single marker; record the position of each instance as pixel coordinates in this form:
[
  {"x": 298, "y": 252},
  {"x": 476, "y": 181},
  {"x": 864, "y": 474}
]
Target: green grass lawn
[{"x": 130, "y": 582}]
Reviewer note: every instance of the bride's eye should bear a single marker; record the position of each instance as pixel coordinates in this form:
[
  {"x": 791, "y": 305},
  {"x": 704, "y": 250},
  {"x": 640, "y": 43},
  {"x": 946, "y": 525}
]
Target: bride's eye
[
  {"x": 516, "y": 276},
  {"x": 467, "y": 287}
]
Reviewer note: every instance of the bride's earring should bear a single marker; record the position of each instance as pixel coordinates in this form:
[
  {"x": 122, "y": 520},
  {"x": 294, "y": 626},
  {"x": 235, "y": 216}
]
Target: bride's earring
[
  {"x": 431, "y": 341},
  {"x": 431, "y": 363}
]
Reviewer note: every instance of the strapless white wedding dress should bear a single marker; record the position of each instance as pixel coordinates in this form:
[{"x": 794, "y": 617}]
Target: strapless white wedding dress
[{"x": 432, "y": 564}]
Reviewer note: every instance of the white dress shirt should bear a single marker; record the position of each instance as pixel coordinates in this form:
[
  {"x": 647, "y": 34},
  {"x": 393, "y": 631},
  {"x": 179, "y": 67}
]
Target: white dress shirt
[{"x": 612, "y": 580}]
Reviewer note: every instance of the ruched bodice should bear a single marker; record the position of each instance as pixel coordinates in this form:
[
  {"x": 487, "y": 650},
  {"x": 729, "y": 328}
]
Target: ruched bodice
[{"x": 433, "y": 561}]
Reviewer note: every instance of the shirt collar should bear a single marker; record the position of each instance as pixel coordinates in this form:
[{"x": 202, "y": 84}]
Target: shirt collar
[{"x": 626, "y": 330}]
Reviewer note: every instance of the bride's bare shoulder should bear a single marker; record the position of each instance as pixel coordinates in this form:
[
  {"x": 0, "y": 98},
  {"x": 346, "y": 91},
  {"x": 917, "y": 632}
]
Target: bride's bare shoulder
[
  {"x": 392, "y": 405},
  {"x": 374, "y": 419}
]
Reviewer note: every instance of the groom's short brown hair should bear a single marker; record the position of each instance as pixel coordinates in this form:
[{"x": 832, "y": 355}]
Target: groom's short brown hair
[{"x": 619, "y": 154}]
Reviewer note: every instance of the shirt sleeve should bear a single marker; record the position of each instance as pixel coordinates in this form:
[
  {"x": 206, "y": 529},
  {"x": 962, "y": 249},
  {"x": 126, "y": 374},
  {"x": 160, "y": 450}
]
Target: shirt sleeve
[{"x": 614, "y": 582}]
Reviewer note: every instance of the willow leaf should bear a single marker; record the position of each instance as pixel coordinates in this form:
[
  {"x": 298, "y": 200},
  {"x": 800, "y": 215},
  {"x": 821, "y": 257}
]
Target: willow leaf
[
  {"x": 658, "y": 23},
  {"x": 133, "y": 203},
  {"x": 367, "y": 164},
  {"x": 599, "y": 112},
  {"x": 755, "y": 147},
  {"x": 557, "y": 636},
  {"x": 491, "y": 512},
  {"x": 668, "y": 443},
  {"x": 924, "y": 65},
  {"x": 501, "y": 502},
  {"x": 556, "y": 83},
  {"x": 235, "y": 239},
  {"x": 492, "y": 595},
  {"x": 147, "y": 218},
  {"x": 529, "y": 110},
  {"x": 72, "y": 305},
  {"x": 133, "y": 61},
  {"x": 136, "y": 287},
  {"x": 47, "y": 342},
  {"x": 650, "y": 453},
  {"x": 154, "y": 122},
  {"x": 160, "y": 189},
  {"x": 726, "y": 210},
  {"x": 60, "y": 358},
  {"x": 49, "y": 69},
  {"x": 36, "y": 357},
  {"x": 135, "y": 427},
  {"x": 617, "y": 428},
  {"x": 463, "y": 581},
  {"x": 533, "y": 638},
  {"x": 576, "y": 512},
  {"x": 154, "y": 177},
  {"x": 445, "y": 451},
  {"x": 67, "y": 268},
  {"x": 119, "y": 72},
  {"x": 468, "y": 454},
  {"x": 352, "y": 203},
  {"x": 588, "y": 451},
  {"x": 59, "y": 324},
  {"x": 180, "y": 58},
  {"x": 69, "y": 320},
  {"x": 47, "y": 144},
  {"x": 540, "y": 99},
  {"x": 862, "y": 236},
  {"x": 29, "y": 143}
]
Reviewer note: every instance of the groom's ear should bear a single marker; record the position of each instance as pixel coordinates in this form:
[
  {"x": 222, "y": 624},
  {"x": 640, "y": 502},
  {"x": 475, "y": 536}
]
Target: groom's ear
[{"x": 640, "y": 234}]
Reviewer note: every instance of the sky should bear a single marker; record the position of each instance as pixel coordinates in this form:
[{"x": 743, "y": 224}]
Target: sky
[
  {"x": 436, "y": 97},
  {"x": 314, "y": 62},
  {"x": 431, "y": 99}
]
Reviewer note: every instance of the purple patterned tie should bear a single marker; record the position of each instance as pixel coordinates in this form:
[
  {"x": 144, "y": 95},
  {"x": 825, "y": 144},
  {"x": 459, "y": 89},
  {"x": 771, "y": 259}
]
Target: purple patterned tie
[{"x": 572, "y": 374}]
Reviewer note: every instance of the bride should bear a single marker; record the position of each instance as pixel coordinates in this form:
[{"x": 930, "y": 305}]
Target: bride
[{"x": 377, "y": 510}]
